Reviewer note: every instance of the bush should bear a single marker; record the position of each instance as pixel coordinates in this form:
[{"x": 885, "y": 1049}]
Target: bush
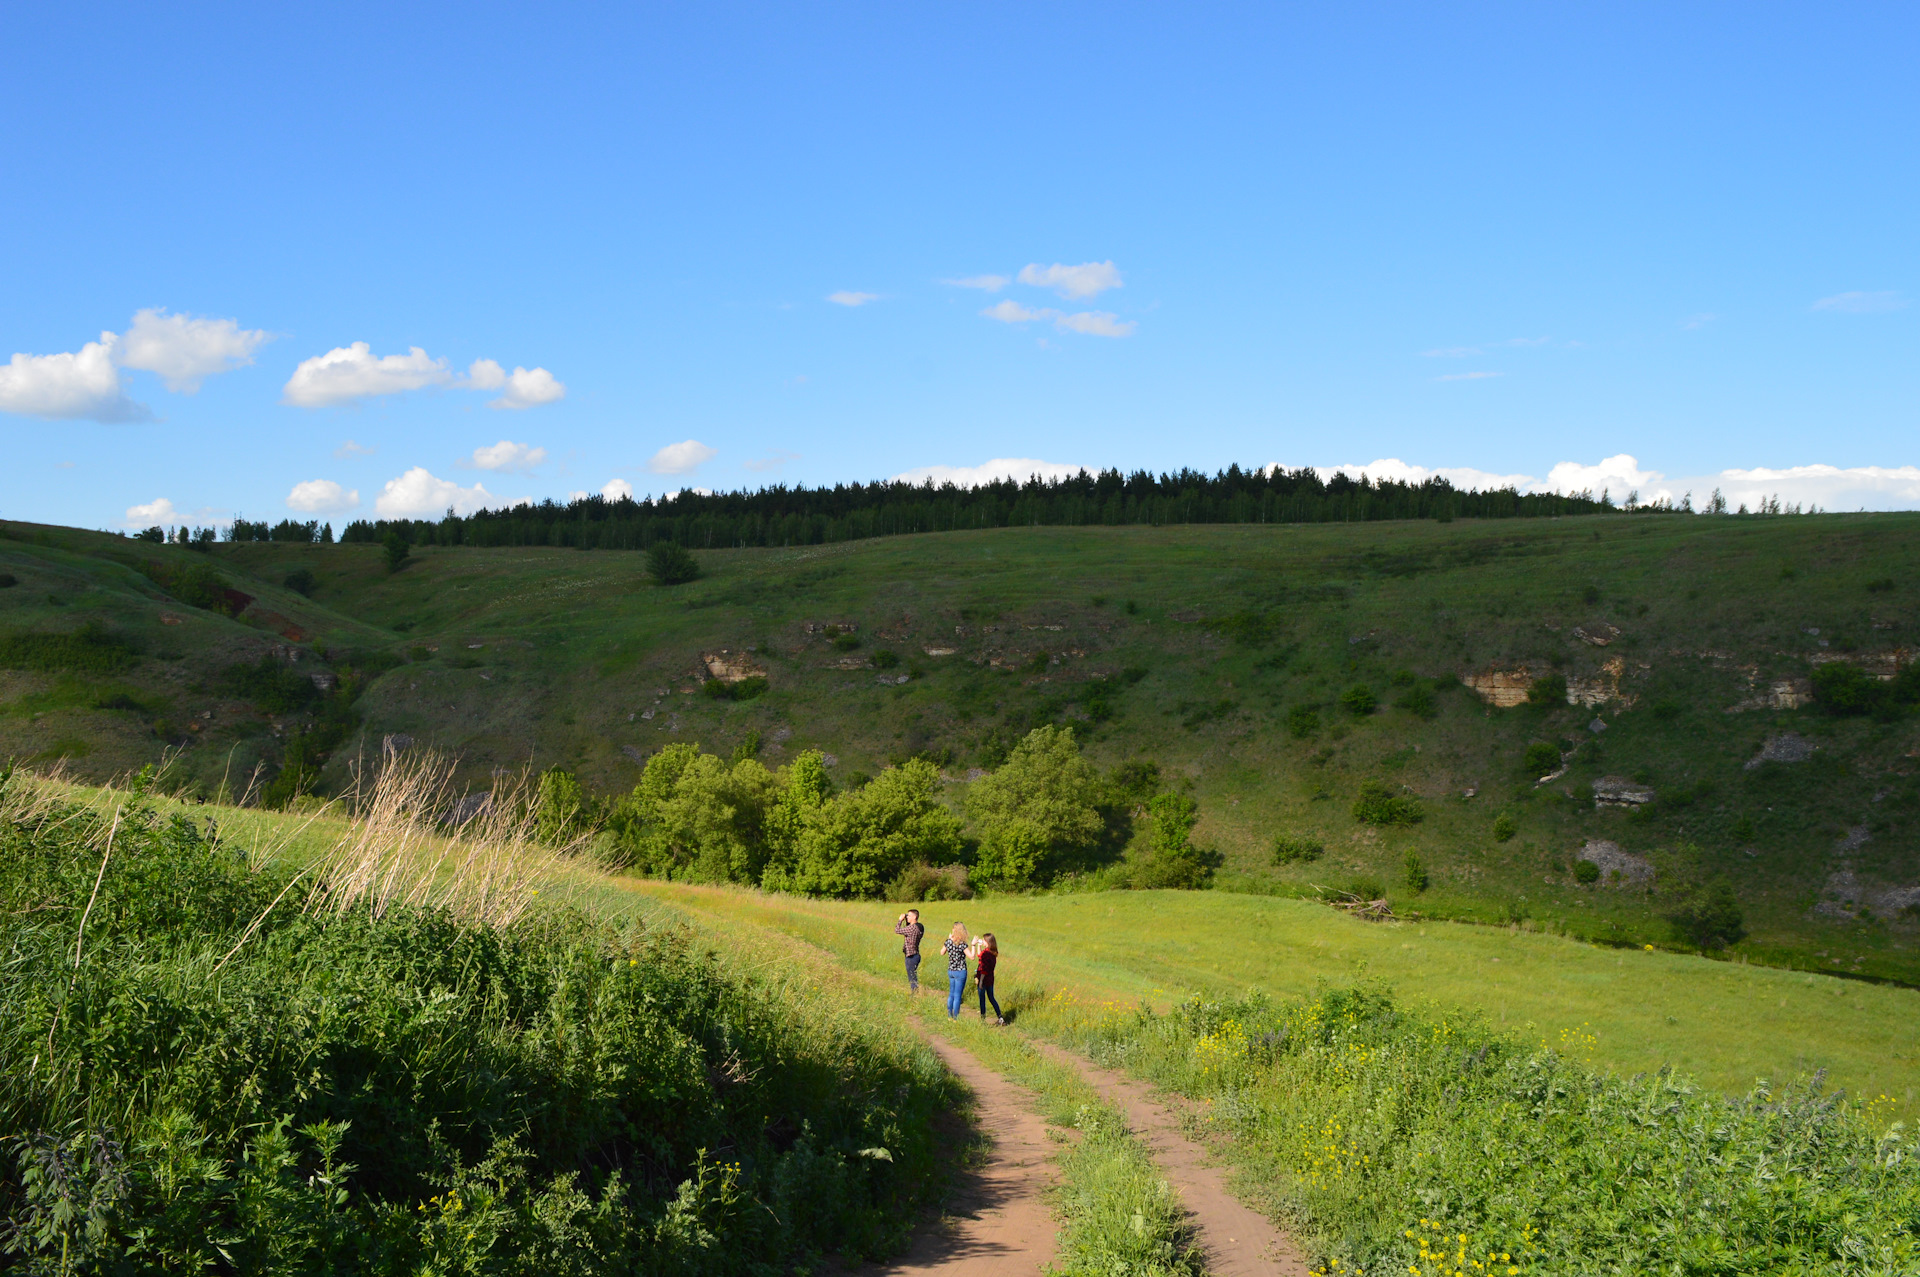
[
  {"x": 1710, "y": 918},
  {"x": 920, "y": 882},
  {"x": 197, "y": 585},
  {"x": 1359, "y": 700},
  {"x": 1296, "y": 849},
  {"x": 1847, "y": 689},
  {"x": 395, "y": 550},
  {"x": 1540, "y": 759},
  {"x": 885, "y": 660},
  {"x": 1037, "y": 813},
  {"x": 1378, "y": 804},
  {"x": 90, "y": 649},
  {"x": 1585, "y": 872},
  {"x": 669, "y": 563},
  {"x": 1419, "y": 702},
  {"x": 1171, "y": 859},
  {"x": 1548, "y": 692},
  {"x": 745, "y": 689},
  {"x": 273, "y": 688},
  {"x": 1415, "y": 873},
  {"x": 8, "y": 580},
  {"x": 1505, "y": 827},
  {"x": 1302, "y": 721},
  {"x": 300, "y": 581}
]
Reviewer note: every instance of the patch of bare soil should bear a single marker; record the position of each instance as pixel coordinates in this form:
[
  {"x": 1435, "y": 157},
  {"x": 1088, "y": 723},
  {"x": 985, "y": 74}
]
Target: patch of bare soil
[{"x": 1235, "y": 1239}]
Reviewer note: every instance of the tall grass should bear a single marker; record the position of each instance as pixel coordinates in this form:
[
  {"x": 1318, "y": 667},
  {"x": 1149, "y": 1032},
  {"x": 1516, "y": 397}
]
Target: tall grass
[{"x": 412, "y": 1077}]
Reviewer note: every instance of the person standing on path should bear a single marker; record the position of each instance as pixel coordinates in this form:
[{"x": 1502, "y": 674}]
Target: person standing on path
[
  {"x": 986, "y": 957},
  {"x": 908, "y": 928},
  {"x": 956, "y": 950}
]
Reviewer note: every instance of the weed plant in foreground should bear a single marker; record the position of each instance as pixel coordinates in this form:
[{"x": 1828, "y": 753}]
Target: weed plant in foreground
[
  {"x": 1403, "y": 1142},
  {"x": 204, "y": 1067}
]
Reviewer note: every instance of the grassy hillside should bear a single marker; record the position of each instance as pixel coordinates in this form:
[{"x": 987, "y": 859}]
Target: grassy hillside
[{"x": 1200, "y": 648}]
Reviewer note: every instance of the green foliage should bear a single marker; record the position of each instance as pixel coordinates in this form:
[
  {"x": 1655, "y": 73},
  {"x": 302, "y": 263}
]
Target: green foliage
[
  {"x": 1880, "y": 585},
  {"x": 855, "y": 842},
  {"x": 744, "y": 689},
  {"x": 670, "y": 563},
  {"x": 1505, "y": 827},
  {"x": 301, "y": 581},
  {"x": 412, "y": 1095},
  {"x": 1446, "y": 1128},
  {"x": 1134, "y": 782},
  {"x": 561, "y": 809},
  {"x": 1378, "y": 804},
  {"x": 1709, "y": 918},
  {"x": 1302, "y": 721},
  {"x": 91, "y": 649},
  {"x": 273, "y": 686},
  {"x": 1585, "y": 872},
  {"x": 1171, "y": 859},
  {"x": 1296, "y": 849},
  {"x": 1359, "y": 700},
  {"x": 1036, "y": 813},
  {"x": 1548, "y": 691},
  {"x": 299, "y": 772},
  {"x": 8, "y": 580},
  {"x": 845, "y": 641},
  {"x": 921, "y": 881},
  {"x": 1541, "y": 757},
  {"x": 1843, "y": 689},
  {"x": 1419, "y": 702},
  {"x": 395, "y": 551},
  {"x": 1414, "y": 873},
  {"x": 197, "y": 584},
  {"x": 884, "y": 659}
]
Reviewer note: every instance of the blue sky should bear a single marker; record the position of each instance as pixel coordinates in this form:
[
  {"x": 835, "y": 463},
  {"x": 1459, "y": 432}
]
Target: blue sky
[{"x": 1661, "y": 247}]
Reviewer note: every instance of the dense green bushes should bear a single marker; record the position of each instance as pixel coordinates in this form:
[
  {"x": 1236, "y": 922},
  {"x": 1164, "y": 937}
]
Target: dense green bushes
[
  {"x": 332, "y": 1093},
  {"x": 91, "y": 649},
  {"x": 1410, "y": 1143}
]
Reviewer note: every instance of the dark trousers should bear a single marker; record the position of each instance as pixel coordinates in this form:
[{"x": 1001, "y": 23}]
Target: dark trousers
[
  {"x": 986, "y": 995},
  {"x": 913, "y": 972}
]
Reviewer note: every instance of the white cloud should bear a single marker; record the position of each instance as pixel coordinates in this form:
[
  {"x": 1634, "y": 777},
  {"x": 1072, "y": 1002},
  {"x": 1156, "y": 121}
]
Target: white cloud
[
  {"x": 1468, "y": 376},
  {"x": 1831, "y": 487},
  {"x": 158, "y": 510},
  {"x": 322, "y": 496},
  {"x": 681, "y": 458},
  {"x": 417, "y": 494},
  {"x": 774, "y": 460},
  {"x": 352, "y": 449},
  {"x": 346, "y": 373},
  {"x": 617, "y": 490},
  {"x": 986, "y": 283},
  {"x": 1464, "y": 477},
  {"x": 507, "y": 455},
  {"x": 525, "y": 388},
  {"x": 1012, "y": 312},
  {"x": 1861, "y": 303},
  {"x": 185, "y": 350},
  {"x": 84, "y": 384},
  {"x": 1088, "y": 279},
  {"x": 1450, "y": 352},
  {"x": 1020, "y": 468},
  {"x": 845, "y": 298},
  {"x": 1096, "y": 323},
  {"x": 1619, "y": 474}
]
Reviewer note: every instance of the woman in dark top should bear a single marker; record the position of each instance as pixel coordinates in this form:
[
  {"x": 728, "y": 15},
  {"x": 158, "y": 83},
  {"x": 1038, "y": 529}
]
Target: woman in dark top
[
  {"x": 955, "y": 947},
  {"x": 986, "y": 958}
]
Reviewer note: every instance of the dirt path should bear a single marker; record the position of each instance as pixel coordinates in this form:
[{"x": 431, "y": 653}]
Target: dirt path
[
  {"x": 1235, "y": 1239},
  {"x": 997, "y": 1223}
]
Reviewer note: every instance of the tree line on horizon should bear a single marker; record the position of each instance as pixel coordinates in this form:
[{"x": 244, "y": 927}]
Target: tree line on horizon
[{"x": 779, "y": 515}]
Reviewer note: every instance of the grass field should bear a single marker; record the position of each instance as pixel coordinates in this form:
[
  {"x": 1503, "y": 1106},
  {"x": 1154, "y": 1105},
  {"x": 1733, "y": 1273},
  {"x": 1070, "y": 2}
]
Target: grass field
[{"x": 574, "y": 659}]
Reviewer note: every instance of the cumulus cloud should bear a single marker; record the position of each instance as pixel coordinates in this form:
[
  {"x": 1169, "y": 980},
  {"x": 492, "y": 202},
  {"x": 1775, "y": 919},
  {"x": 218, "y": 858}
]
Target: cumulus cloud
[
  {"x": 617, "y": 490},
  {"x": 64, "y": 387},
  {"x": 1096, "y": 323},
  {"x": 158, "y": 510},
  {"x": 986, "y": 283},
  {"x": 1012, "y": 312},
  {"x": 347, "y": 373},
  {"x": 507, "y": 455},
  {"x": 1465, "y": 477},
  {"x": 845, "y": 298},
  {"x": 352, "y": 449},
  {"x": 525, "y": 387},
  {"x": 1019, "y": 468},
  {"x": 1088, "y": 279},
  {"x": 681, "y": 458},
  {"x": 1619, "y": 474},
  {"x": 1468, "y": 376},
  {"x": 321, "y": 496},
  {"x": 1832, "y": 487},
  {"x": 186, "y": 350},
  {"x": 1861, "y": 303},
  {"x": 417, "y": 494}
]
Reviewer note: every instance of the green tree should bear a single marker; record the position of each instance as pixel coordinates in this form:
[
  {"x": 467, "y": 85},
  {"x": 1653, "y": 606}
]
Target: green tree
[
  {"x": 1710, "y": 918},
  {"x": 696, "y": 817},
  {"x": 856, "y": 842},
  {"x": 1037, "y": 811},
  {"x": 1548, "y": 692},
  {"x": 1172, "y": 860},
  {"x": 560, "y": 807},
  {"x": 396, "y": 550},
  {"x": 1359, "y": 700},
  {"x": 669, "y": 563},
  {"x": 1417, "y": 878}
]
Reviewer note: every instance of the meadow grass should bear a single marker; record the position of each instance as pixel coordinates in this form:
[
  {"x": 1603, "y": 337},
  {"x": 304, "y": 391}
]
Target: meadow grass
[{"x": 1723, "y": 1023}]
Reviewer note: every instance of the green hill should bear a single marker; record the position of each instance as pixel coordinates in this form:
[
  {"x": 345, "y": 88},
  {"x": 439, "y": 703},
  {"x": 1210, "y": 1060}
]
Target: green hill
[{"x": 1228, "y": 655}]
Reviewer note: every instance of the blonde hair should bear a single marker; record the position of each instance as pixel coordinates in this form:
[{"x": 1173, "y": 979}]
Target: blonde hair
[{"x": 959, "y": 931}]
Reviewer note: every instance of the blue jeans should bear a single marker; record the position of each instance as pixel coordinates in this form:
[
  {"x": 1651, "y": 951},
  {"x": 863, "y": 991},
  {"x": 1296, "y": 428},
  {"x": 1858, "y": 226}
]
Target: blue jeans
[
  {"x": 956, "y": 992},
  {"x": 913, "y": 972}
]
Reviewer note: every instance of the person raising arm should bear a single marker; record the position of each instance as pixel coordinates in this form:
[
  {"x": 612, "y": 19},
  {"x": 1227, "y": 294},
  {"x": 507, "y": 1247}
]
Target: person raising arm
[{"x": 908, "y": 928}]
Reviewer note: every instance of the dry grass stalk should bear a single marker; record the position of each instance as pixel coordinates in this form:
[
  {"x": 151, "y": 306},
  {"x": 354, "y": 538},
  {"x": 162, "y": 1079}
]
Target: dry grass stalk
[{"x": 403, "y": 848}]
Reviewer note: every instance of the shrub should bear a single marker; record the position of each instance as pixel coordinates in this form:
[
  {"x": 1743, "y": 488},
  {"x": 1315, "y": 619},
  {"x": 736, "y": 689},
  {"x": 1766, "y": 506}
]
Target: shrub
[
  {"x": 1364, "y": 887},
  {"x": 1710, "y": 918},
  {"x": 90, "y": 649},
  {"x": 921, "y": 881},
  {"x": 1378, "y": 804},
  {"x": 395, "y": 550},
  {"x": 1419, "y": 702},
  {"x": 1415, "y": 871},
  {"x": 197, "y": 585},
  {"x": 1135, "y": 782},
  {"x": 1846, "y": 689},
  {"x": 1296, "y": 849},
  {"x": 1548, "y": 692},
  {"x": 884, "y": 659},
  {"x": 745, "y": 689},
  {"x": 1302, "y": 721},
  {"x": 1172, "y": 860},
  {"x": 8, "y": 580},
  {"x": 845, "y": 642},
  {"x": 560, "y": 807},
  {"x": 1540, "y": 759},
  {"x": 1668, "y": 707},
  {"x": 1585, "y": 872},
  {"x": 1359, "y": 700},
  {"x": 669, "y": 563},
  {"x": 273, "y": 688},
  {"x": 1880, "y": 585},
  {"x": 1505, "y": 827},
  {"x": 300, "y": 581}
]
